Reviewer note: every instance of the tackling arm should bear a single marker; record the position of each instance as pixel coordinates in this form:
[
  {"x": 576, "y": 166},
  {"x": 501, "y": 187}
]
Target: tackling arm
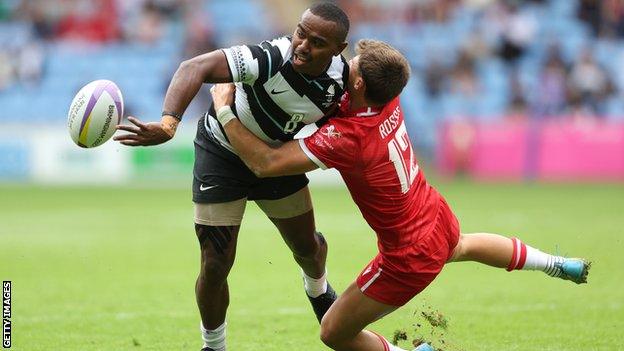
[{"x": 262, "y": 159}]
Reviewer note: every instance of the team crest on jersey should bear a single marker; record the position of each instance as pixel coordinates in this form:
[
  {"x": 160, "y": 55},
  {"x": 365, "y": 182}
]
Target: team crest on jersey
[
  {"x": 329, "y": 96},
  {"x": 331, "y": 132}
]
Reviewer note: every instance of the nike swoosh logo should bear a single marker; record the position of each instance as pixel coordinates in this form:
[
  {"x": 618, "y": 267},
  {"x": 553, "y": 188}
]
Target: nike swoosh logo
[
  {"x": 204, "y": 188},
  {"x": 277, "y": 92}
]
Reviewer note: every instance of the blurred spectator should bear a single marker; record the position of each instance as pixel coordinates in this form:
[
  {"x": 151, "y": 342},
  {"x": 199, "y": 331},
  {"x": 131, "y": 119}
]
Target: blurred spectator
[
  {"x": 434, "y": 10},
  {"x": 476, "y": 46},
  {"x": 589, "y": 83},
  {"x": 91, "y": 21},
  {"x": 41, "y": 16},
  {"x": 463, "y": 76},
  {"x": 30, "y": 63},
  {"x": 590, "y": 12},
  {"x": 148, "y": 26},
  {"x": 613, "y": 18},
  {"x": 552, "y": 86},
  {"x": 518, "y": 105},
  {"x": 577, "y": 109},
  {"x": 518, "y": 32},
  {"x": 435, "y": 76},
  {"x": 198, "y": 32}
]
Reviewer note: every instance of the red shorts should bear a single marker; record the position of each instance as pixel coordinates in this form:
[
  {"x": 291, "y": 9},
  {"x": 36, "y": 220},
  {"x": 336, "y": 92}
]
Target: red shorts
[{"x": 394, "y": 278}]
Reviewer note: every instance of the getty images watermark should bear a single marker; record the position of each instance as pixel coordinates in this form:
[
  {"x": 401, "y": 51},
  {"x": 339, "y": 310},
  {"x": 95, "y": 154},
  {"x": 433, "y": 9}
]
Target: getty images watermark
[{"x": 6, "y": 314}]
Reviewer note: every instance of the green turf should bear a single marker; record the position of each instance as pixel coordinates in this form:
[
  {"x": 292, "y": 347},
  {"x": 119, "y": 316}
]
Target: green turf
[{"x": 114, "y": 269}]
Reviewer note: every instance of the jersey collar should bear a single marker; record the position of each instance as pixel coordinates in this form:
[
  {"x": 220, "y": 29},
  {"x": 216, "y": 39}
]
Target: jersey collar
[{"x": 361, "y": 112}]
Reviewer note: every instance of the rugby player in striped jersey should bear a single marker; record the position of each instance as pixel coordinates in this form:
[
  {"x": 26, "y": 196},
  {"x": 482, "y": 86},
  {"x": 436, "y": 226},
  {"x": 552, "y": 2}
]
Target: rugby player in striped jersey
[{"x": 281, "y": 85}]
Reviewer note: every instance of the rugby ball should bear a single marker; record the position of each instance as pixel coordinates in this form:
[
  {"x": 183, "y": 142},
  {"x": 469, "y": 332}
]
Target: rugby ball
[{"x": 94, "y": 113}]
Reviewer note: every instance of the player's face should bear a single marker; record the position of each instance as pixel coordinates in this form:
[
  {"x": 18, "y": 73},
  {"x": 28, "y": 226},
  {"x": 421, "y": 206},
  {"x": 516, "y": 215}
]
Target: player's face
[
  {"x": 315, "y": 42},
  {"x": 356, "y": 82}
]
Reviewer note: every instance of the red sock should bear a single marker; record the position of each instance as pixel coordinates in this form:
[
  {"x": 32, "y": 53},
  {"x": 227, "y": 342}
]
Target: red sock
[
  {"x": 383, "y": 341},
  {"x": 518, "y": 258}
]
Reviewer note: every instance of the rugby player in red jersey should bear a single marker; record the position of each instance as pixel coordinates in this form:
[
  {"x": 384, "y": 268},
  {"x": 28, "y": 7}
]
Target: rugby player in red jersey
[{"x": 417, "y": 232}]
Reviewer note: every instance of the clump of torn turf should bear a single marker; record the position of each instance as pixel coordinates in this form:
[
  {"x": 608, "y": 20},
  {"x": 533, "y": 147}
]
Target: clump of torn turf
[
  {"x": 436, "y": 319},
  {"x": 431, "y": 326},
  {"x": 418, "y": 341},
  {"x": 398, "y": 336}
]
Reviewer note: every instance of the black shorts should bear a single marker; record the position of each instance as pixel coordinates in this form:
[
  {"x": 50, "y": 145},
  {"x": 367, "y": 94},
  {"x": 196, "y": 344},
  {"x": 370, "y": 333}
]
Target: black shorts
[{"x": 221, "y": 176}]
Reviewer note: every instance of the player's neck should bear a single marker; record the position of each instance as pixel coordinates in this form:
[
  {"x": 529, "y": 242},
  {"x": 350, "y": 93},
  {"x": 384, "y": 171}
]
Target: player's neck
[{"x": 358, "y": 102}]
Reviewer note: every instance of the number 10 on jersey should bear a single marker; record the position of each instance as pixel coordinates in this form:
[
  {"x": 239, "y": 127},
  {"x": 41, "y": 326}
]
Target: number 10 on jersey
[{"x": 402, "y": 155}]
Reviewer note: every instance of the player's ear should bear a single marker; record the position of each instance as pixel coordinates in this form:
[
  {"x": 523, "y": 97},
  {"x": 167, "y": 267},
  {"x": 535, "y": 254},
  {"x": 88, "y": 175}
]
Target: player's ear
[{"x": 359, "y": 84}]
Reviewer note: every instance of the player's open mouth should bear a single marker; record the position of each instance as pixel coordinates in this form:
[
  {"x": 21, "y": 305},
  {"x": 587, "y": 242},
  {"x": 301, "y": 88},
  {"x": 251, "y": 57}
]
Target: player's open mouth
[{"x": 299, "y": 60}]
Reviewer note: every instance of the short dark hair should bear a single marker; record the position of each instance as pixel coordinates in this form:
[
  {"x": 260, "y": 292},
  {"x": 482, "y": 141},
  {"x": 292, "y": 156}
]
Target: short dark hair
[
  {"x": 331, "y": 12},
  {"x": 384, "y": 69}
]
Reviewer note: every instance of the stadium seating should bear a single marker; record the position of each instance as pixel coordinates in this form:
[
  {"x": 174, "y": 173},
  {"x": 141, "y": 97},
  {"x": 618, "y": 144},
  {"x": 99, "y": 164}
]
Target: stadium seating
[{"x": 142, "y": 71}]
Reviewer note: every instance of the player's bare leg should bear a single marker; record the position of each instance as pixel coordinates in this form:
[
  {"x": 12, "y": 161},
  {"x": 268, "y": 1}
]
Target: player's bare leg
[
  {"x": 343, "y": 326},
  {"x": 308, "y": 247},
  {"x": 218, "y": 249},
  {"x": 294, "y": 218},
  {"x": 309, "y": 250},
  {"x": 502, "y": 252},
  {"x": 491, "y": 249}
]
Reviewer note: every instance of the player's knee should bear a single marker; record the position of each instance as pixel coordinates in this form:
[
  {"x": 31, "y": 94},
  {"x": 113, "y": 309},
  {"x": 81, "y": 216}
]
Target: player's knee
[
  {"x": 328, "y": 338},
  {"x": 309, "y": 248},
  {"x": 214, "y": 271},
  {"x": 459, "y": 252},
  {"x": 330, "y": 335}
]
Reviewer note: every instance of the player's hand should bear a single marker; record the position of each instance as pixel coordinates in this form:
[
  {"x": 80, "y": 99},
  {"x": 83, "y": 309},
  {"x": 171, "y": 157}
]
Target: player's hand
[
  {"x": 222, "y": 95},
  {"x": 143, "y": 134}
]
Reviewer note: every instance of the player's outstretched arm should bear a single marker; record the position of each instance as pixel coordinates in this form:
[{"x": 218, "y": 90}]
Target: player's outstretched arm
[
  {"x": 186, "y": 82},
  {"x": 262, "y": 159}
]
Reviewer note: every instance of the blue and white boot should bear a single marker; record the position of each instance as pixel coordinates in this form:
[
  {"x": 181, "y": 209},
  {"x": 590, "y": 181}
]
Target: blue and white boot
[
  {"x": 574, "y": 269},
  {"x": 424, "y": 347}
]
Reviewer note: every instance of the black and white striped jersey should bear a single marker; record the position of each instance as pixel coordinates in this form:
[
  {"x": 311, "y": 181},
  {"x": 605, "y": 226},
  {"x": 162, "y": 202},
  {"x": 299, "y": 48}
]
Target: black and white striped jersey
[{"x": 272, "y": 100}]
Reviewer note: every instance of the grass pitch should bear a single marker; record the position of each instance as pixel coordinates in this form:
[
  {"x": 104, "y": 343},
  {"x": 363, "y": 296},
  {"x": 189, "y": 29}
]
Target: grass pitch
[{"x": 114, "y": 269}]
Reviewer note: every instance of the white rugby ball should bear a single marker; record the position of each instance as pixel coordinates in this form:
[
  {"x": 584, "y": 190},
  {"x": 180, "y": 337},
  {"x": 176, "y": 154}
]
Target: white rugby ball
[{"x": 94, "y": 113}]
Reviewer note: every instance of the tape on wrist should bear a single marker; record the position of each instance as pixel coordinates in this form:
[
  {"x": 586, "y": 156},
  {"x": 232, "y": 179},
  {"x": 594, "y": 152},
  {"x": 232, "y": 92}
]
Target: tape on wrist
[
  {"x": 225, "y": 114},
  {"x": 172, "y": 114}
]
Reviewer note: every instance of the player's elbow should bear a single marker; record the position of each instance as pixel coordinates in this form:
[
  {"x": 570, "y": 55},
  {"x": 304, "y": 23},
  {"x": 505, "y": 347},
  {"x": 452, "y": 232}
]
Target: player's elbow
[
  {"x": 259, "y": 171},
  {"x": 209, "y": 68},
  {"x": 191, "y": 66},
  {"x": 268, "y": 166},
  {"x": 264, "y": 171},
  {"x": 196, "y": 68},
  {"x": 267, "y": 172}
]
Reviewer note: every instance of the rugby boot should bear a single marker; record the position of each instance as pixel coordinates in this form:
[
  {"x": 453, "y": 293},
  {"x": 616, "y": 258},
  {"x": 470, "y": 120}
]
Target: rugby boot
[{"x": 322, "y": 303}]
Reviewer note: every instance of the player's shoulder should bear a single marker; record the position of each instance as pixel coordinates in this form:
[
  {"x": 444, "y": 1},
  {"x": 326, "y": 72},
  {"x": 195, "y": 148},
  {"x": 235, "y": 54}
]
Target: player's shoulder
[
  {"x": 339, "y": 70},
  {"x": 346, "y": 127},
  {"x": 281, "y": 44}
]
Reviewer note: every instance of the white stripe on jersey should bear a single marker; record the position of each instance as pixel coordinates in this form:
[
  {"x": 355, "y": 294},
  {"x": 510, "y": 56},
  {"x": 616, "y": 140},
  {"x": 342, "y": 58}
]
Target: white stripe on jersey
[
  {"x": 290, "y": 100},
  {"x": 311, "y": 155},
  {"x": 335, "y": 71}
]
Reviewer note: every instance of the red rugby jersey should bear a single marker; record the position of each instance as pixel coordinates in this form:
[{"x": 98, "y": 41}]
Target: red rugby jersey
[{"x": 372, "y": 151}]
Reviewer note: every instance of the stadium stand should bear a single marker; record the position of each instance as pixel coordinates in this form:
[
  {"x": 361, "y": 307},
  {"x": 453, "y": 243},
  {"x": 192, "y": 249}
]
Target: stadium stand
[{"x": 480, "y": 60}]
